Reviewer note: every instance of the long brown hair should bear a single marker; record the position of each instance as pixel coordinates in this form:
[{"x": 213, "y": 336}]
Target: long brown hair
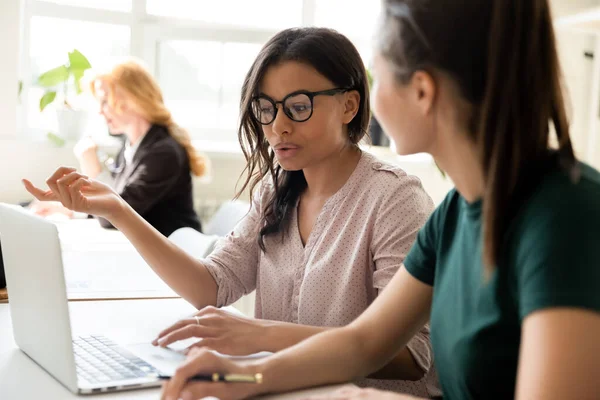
[
  {"x": 333, "y": 56},
  {"x": 502, "y": 55},
  {"x": 145, "y": 97}
]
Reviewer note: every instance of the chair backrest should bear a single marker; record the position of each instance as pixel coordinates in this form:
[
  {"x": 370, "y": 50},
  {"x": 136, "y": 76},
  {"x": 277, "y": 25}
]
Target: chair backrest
[
  {"x": 197, "y": 244},
  {"x": 227, "y": 217}
]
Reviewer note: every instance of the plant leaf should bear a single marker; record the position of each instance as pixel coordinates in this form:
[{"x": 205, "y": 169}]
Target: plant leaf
[
  {"x": 54, "y": 77},
  {"x": 77, "y": 75},
  {"x": 78, "y": 64},
  {"x": 57, "y": 140},
  {"x": 78, "y": 61},
  {"x": 46, "y": 99},
  {"x": 20, "y": 90}
]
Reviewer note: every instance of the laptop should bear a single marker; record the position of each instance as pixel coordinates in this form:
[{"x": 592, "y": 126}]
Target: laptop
[{"x": 38, "y": 298}]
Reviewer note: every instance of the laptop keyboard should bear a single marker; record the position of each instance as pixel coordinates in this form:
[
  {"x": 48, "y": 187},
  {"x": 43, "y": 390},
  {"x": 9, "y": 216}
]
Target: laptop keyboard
[{"x": 100, "y": 360}]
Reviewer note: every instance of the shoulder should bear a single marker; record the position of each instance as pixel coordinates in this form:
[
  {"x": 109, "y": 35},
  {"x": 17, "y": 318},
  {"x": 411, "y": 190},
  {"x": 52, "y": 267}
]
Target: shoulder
[
  {"x": 162, "y": 146},
  {"x": 561, "y": 215},
  {"x": 446, "y": 213},
  {"x": 392, "y": 184},
  {"x": 555, "y": 243},
  {"x": 262, "y": 193},
  {"x": 560, "y": 197},
  {"x": 383, "y": 171}
]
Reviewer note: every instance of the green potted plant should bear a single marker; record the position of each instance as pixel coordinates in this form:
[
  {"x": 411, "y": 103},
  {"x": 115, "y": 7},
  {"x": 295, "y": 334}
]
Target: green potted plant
[{"x": 60, "y": 84}]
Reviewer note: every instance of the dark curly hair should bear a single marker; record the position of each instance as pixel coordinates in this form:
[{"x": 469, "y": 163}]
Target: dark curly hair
[{"x": 333, "y": 56}]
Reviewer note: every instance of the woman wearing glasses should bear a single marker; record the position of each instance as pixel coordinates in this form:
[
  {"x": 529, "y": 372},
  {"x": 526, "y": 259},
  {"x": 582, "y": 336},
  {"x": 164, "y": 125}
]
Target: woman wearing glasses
[
  {"x": 507, "y": 268},
  {"x": 328, "y": 227},
  {"x": 152, "y": 171}
]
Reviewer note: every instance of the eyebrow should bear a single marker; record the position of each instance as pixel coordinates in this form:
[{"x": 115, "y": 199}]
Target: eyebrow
[{"x": 299, "y": 91}]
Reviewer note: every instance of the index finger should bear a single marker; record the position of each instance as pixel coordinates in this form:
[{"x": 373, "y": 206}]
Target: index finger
[
  {"x": 191, "y": 366},
  {"x": 179, "y": 324},
  {"x": 41, "y": 195},
  {"x": 60, "y": 172}
]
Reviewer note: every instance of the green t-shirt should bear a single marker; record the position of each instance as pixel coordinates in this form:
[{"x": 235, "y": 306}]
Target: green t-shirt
[{"x": 551, "y": 258}]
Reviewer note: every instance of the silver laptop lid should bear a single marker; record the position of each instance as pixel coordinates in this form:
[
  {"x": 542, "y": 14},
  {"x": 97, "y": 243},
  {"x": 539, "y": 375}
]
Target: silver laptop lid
[{"x": 37, "y": 292}]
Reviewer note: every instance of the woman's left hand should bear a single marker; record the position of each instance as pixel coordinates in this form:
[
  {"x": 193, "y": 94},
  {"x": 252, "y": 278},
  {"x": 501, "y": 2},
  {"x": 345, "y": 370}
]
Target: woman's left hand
[
  {"x": 361, "y": 394},
  {"x": 220, "y": 331}
]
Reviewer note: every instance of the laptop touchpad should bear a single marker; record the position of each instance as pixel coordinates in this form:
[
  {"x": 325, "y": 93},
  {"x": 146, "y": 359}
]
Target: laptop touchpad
[{"x": 165, "y": 360}]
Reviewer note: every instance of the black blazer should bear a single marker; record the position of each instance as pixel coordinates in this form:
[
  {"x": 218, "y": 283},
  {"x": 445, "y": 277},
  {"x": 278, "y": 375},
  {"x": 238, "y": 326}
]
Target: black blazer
[{"x": 158, "y": 183}]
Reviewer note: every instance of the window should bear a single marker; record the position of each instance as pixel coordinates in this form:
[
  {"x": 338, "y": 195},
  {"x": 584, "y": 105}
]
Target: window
[
  {"x": 199, "y": 51},
  {"x": 357, "y": 21},
  {"x": 202, "y": 81},
  {"x": 50, "y": 41},
  {"x": 270, "y": 14},
  {"x": 115, "y": 5}
]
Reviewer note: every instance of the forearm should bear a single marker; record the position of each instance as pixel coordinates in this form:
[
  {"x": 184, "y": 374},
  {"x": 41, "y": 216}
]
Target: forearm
[
  {"x": 402, "y": 367},
  {"x": 184, "y": 274},
  {"x": 412, "y": 362},
  {"x": 91, "y": 166},
  {"x": 334, "y": 356},
  {"x": 281, "y": 335}
]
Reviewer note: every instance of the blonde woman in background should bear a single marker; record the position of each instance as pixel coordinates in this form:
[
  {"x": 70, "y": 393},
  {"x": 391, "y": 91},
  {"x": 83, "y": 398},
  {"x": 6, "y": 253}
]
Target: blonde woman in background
[
  {"x": 328, "y": 227},
  {"x": 152, "y": 171}
]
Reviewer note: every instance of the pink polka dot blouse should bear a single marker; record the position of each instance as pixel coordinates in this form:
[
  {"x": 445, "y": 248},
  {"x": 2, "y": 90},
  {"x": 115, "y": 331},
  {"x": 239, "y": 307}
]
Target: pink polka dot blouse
[{"x": 358, "y": 242}]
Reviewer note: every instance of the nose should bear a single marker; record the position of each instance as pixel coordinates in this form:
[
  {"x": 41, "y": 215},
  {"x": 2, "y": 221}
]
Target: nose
[{"x": 282, "y": 124}]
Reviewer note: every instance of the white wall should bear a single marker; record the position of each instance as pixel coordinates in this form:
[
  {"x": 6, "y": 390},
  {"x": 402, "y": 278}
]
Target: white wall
[
  {"x": 578, "y": 72},
  {"x": 10, "y": 16},
  {"x": 36, "y": 160},
  {"x": 26, "y": 159},
  {"x": 561, "y": 8}
]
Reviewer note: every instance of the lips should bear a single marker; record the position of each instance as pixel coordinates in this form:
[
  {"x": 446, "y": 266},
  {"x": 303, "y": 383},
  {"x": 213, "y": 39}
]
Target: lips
[
  {"x": 286, "y": 150},
  {"x": 286, "y": 146}
]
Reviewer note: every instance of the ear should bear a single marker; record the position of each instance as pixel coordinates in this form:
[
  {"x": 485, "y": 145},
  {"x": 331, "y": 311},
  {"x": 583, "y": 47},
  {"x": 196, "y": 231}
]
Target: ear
[
  {"x": 351, "y": 105},
  {"x": 123, "y": 106},
  {"x": 424, "y": 90}
]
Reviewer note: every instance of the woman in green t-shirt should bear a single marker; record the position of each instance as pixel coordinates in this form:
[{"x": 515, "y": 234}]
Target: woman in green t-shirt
[{"x": 507, "y": 268}]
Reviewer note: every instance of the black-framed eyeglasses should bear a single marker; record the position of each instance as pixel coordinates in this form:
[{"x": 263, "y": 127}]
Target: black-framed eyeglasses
[{"x": 298, "y": 105}]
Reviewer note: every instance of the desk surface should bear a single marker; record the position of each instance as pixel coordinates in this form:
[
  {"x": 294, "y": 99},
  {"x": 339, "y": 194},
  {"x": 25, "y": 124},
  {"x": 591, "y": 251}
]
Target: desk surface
[
  {"x": 126, "y": 321},
  {"x": 94, "y": 256}
]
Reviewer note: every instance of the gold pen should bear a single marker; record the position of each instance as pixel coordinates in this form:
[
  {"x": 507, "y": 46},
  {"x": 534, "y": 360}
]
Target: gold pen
[{"x": 216, "y": 377}]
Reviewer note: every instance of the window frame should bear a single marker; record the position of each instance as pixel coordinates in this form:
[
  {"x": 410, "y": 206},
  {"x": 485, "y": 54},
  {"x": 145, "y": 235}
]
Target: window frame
[{"x": 146, "y": 32}]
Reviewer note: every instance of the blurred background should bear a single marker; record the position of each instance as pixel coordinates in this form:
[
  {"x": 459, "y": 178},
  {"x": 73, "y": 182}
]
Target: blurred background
[{"x": 200, "y": 51}]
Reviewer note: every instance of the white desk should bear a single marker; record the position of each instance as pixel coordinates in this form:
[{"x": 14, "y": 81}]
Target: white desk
[
  {"x": 102, "y": 264},
  {"x": 126, "y": 321},
  {"x": 93, "y": 257}
]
